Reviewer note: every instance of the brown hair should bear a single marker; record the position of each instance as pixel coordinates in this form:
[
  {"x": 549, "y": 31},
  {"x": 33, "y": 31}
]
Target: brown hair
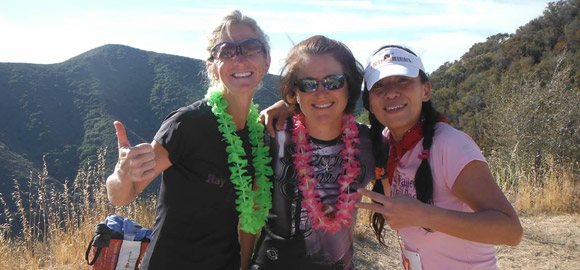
[{"x": 352, "y": 69}]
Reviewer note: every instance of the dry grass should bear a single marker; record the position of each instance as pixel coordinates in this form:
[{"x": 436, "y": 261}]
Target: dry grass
[
  {"x": 546, "y": 188},
  {"x": 55, "y": 222}
]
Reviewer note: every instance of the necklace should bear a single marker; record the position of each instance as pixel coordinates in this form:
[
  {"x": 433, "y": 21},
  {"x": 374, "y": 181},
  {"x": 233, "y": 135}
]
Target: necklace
[
  {"x": 326, "y": 165},
  {"x": 307, "y": 183},
  {"x": 253, "y": 205},
  {"x": 325, "y": 159}
]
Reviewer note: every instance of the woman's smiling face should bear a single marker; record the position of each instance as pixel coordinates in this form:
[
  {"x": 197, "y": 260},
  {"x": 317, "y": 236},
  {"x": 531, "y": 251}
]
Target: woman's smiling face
[
  {"x": 396, "y": 102},
  {"x": 321, "y": 107},
  {"x": 241, "y": 73}
]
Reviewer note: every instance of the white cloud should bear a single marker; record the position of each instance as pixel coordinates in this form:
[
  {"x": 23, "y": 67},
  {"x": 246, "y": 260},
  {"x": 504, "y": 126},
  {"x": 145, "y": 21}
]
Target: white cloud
[
  {"x": 439, "y": 31},
  {"x": 436, "y": 49}
]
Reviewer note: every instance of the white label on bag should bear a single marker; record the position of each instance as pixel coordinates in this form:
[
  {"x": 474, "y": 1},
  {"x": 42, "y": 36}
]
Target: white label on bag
[
  {"x": 410, "y": 260},
  {"x": 128, "y": 255}
]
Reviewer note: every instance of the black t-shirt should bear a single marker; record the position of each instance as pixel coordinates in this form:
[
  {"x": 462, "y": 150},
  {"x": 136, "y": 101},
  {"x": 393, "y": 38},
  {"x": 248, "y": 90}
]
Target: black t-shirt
[{"x": 196, "y": 223}]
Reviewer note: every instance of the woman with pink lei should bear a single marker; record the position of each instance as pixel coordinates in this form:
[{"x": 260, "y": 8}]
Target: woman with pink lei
[
  {"x": 215, "y": 189},
  {"x": 320, "y": 158},
  {"x": 444, "y": 203}
]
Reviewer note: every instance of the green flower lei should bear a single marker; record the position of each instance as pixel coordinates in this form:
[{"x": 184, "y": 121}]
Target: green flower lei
[{"x": 253, "y": 206}]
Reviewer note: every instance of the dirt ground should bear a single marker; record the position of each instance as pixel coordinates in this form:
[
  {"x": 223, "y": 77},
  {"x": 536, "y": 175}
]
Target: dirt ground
[{"x": 549, "y": 242}]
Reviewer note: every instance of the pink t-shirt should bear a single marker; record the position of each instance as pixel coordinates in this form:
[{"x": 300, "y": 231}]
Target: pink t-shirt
[{"x": 450, "y": 152}]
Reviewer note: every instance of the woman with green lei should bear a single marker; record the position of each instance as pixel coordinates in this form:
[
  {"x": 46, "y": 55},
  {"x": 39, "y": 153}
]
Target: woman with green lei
[
  {"x": 215, "y": 189},
  {"x": 321, "y": 157}
]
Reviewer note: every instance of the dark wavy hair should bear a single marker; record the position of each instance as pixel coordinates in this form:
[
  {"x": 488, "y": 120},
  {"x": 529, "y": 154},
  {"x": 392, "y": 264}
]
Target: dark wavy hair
[
  {"x": 316, "y": 45},
  {"x": 423, "y": 176}
]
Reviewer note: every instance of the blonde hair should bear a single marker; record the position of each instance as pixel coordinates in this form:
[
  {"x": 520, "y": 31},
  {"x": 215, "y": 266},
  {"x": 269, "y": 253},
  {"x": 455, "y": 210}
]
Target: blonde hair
[{"x": 235, "y": 17}]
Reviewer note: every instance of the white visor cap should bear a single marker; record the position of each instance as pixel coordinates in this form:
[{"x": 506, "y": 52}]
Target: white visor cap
[{"x": 391, "y": 61}]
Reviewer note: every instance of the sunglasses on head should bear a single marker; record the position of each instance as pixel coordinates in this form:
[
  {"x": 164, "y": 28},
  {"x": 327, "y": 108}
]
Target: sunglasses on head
[
  {"x": 248, "y": 47},
  {"x": 330, "y": 82}
]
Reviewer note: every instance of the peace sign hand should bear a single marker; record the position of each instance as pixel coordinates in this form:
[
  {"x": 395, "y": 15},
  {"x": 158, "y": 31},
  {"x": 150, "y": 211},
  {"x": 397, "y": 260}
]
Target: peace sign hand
[{"x": 399, "y": 212}]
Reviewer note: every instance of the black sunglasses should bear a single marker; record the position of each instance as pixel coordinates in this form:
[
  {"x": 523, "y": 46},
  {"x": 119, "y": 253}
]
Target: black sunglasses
[
  {"x": 330, "y": 82},
  {"x": 248, "y": 47}
]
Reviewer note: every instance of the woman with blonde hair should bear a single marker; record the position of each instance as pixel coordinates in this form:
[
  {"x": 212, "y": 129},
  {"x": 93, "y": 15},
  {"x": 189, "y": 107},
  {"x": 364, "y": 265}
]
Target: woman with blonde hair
[{"x": 214, "y": 163}]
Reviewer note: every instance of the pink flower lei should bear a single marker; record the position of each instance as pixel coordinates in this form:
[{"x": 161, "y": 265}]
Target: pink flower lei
[{"x": 307, "y": 183}]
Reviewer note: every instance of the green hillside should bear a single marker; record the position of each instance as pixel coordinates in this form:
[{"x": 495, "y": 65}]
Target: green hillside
[
  {"x": 65, "y": 111},
  {"x": 518, "y": 95}
]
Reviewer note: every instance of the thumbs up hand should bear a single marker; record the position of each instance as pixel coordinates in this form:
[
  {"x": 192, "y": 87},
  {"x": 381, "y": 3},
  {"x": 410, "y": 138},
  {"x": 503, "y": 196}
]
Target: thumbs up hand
[{"x": 136, "y": 163}]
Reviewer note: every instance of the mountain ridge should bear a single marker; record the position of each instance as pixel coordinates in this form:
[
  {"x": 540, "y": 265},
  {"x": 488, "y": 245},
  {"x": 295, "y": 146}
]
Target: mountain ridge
[
  {"x": 510, "y": 92},
  {"x": 64, "y": 112}
]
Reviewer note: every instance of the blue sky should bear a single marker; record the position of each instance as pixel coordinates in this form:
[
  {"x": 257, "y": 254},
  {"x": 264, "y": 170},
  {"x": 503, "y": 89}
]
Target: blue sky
[{"x": 52, "y": 31}]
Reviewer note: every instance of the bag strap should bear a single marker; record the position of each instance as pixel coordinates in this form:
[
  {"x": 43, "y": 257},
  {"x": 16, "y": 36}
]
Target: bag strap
[
  {"x": 97, "y": 253},
  {"x": 297, "y": 218}
]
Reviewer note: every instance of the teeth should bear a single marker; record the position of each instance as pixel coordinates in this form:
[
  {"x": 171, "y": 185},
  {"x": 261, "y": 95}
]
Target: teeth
[
  {"x": 242, "y": 75},
  {"x": 395, "y": 108},
  {"x": 323, "y": 106}
]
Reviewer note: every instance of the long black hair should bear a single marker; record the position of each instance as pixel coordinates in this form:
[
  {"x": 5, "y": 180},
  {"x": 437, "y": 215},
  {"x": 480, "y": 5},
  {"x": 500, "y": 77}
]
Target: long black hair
[{"x": 423, "y": 176}]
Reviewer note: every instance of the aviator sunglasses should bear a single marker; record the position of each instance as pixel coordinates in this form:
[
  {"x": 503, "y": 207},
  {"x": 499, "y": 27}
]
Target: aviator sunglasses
[
  {"x": 330, "y": 82},
  {"x": 248, "y": 47}
]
